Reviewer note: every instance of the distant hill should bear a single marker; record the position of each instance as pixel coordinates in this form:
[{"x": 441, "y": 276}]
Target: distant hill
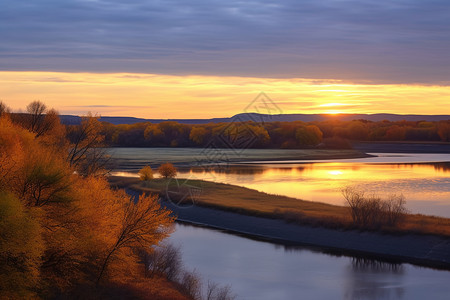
[
  {"x": 72, "y": 120},
  {"x": 342, "y": 117}
]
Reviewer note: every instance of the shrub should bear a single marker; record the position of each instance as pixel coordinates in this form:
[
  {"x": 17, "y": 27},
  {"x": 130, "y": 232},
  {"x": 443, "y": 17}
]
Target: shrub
[
  {"x": 146, "y": 174},
  {"x": 394, "y": 209},
  {"x": 167, "y": 170},
  {"x": 192, "y": 284},
  {"x": 372, "y": 211},
  {"x": 163, "y": 260},
  {"x": 216, "y": 292}
]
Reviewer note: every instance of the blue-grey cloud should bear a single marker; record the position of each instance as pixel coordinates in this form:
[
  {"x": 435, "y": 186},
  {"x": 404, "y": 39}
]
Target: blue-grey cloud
[
  {"x": 381, "y": 41},
  {"x": 94, "y": 106}
]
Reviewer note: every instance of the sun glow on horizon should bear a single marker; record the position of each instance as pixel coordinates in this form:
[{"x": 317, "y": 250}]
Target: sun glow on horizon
[
  {"x": 335, "y": 172},
  {"x": 195, "y": 96},
  {"x": 332, "y": 104},
  {"x": 333, "y": 112}
]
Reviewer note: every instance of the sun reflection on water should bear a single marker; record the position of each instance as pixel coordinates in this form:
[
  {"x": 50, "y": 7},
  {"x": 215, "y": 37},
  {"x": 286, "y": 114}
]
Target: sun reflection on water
[{"x": 323, "y": 182}]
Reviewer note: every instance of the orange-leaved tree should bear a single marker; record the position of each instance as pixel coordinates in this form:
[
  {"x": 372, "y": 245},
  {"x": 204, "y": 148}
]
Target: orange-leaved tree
[
  {"x": 167, "y": 170},
  {"x": 146, "y": 174},
  {"x": 21, "y": 248},
  {"x": 60, "y": 230},
  {"x": 86, "y": 152}
]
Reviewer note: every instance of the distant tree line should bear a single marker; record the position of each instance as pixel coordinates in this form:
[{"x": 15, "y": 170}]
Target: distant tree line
[{"x": 326, "y": 134}]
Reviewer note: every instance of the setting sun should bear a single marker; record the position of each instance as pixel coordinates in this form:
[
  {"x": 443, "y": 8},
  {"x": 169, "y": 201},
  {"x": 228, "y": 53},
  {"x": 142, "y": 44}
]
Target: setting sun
[
  {"x": 333, "y": 112},
  {"x": 335, "y": 172}
]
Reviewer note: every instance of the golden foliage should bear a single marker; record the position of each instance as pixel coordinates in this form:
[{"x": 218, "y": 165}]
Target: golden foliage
[
  {"x": 85, "y": 152},
  {"x": 59, "y": 230},
  {"x": 198, "y": 134},
  {"x": 167, "y": 170},
  {"x": 142, "y": 223},
  {"x": 152, "y": 132},
  {"x": 444, "y": 130},
  {"x": 21, "y": 248},
  {"x": 146, "y": 173},
  {"x": 309, "y": 135}
]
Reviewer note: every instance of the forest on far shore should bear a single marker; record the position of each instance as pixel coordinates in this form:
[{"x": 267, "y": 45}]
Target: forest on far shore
[{"x": 332, "y": 134}]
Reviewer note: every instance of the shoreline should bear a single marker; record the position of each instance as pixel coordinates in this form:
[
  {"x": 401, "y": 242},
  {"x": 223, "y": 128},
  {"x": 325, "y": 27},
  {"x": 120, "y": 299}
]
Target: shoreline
[
  {"x": 402, "y": 147},
  {"x": 422, "y": 250},
  {"x": 419, "y": 249},
  {"x": 198, "y": 157},
  {"x": 327, "y": 250}
]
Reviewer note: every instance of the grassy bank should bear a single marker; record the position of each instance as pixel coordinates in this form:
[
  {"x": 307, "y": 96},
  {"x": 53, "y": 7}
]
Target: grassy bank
[{"x": 251, "y": 202}]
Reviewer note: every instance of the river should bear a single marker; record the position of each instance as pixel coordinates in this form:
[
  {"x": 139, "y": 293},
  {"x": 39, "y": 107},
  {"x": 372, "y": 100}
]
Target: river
[{"x": 260, "y": 270}]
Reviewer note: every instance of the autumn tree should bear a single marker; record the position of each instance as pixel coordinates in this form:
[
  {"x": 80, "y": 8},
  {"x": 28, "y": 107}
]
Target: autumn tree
[
  {"x": 4, "y": 109},
  {"x": 395, "y": 133},
  {"x": 309, "y": 135},
  {"x": 46, "y": 180},
  {"x": 40, "y": 177},
  {"x": 260, "y": 133},
  {"x": 357, "y": 130},
  {"x": 31, "y": 170},
  {"x": 49, "y": 123},
  {"x": 13, "y": 143},
  {"x": 86, "y": 152},
  {"x": 143, "y": 224},
  {"x": 21, "y": 248},
  {"x": 146, "y": 174},
  {"x": 443, "y": 129},
  {"x": 36, "y": 111},
  {"x": 198, "y": 135},
  {"x": 153, "y": 133},
  {"x": 167, "y": 170},
  {"x": 131, "y": 135},
  {"x": 39, "y": 120},
  {"x": 59, "y": 230}
]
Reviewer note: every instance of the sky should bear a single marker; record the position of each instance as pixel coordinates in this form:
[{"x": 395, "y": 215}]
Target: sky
[{"x": 208, "y": 58}]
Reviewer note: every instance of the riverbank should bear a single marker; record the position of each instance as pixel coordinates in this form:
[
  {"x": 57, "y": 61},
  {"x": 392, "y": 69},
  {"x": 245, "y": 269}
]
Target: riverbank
[
  {"x": 250, "y": 202},
  {"x": 133, "y": 159},
  {"x": 402, "y": 147},
  {"x": 423, "y": 250},
  {"x": 227, "y": 207}
]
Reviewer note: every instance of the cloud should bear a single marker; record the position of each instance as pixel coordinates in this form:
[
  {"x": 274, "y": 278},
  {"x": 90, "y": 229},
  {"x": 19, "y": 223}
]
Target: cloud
[
  {"x": 400, "y": 41},
  {"x": 108, "y": 106},
  {"x": 95, "y": 105}
]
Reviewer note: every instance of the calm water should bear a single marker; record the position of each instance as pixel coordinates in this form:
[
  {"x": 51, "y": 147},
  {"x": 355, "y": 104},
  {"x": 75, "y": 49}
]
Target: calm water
[
  {"x": 425, "y": 186},
  {"x": 424, "y": 179},
  {"x": 258, "y": 270}
]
